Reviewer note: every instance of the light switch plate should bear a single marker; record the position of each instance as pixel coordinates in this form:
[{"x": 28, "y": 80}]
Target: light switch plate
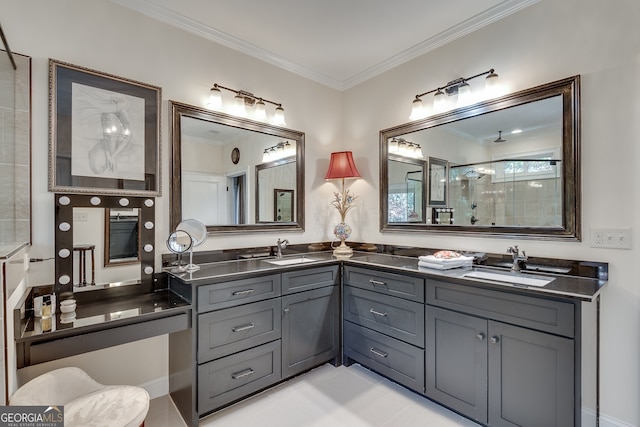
[{"x": 611, "y": 238}]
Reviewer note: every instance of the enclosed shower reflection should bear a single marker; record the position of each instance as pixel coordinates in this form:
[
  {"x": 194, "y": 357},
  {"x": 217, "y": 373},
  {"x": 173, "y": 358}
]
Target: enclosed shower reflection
[{"x": 507, "y": 192}]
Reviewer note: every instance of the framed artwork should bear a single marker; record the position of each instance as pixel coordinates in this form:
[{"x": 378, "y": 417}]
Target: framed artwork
[
  {"x": 104, "y": 133},
  {"x": 437, "y": 182}
]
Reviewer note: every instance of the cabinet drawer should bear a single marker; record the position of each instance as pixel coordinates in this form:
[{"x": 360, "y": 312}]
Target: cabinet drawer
[
  {"x": 227, "y": 331},
  {"x": 531, "y": 312},
  {"x": 387, "y": 283},
  {"x": 311, "y": 278},
  {"x": 395, "y": 359},
  {"x": 233, "y": 377},
  {"x": 228, "y": 294},
  {"x": 396, "y": 317}
]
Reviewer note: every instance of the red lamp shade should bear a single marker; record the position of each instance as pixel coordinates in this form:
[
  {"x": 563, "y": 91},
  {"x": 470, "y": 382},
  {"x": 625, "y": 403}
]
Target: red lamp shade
[{"x": 342, "y": 166}]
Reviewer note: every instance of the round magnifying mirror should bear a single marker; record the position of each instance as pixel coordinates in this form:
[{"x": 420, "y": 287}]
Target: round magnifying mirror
[
  {"x": 179, "y": 242},
  {"x": 196, "y": 229}
]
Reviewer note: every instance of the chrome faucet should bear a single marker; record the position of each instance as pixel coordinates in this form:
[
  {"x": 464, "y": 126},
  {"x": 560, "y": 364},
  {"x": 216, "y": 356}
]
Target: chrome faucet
[
  {"x": 518, "y": 260},
  {"x": 280, "y": 245}
]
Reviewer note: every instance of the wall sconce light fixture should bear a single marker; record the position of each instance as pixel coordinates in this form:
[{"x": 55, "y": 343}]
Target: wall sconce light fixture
[
  {"x": 279, "y": 151},
  {"x": 459, "y": 87},
  {"x": 402, "y": 147},
  {"x": 243, "y": 103}
]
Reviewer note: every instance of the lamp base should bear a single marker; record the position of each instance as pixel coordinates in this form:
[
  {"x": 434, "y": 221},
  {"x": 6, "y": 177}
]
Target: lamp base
[{"x": 342, "y": 251}]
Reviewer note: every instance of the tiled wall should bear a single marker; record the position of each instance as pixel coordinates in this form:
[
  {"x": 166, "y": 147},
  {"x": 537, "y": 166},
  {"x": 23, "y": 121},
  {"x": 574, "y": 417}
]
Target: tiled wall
[
  {"x": 531, "y": 203},
  {"x": 15, "y": 191}
]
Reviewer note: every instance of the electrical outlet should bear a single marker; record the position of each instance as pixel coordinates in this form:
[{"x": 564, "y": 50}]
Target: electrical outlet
[{"x": 611, "y": 238}]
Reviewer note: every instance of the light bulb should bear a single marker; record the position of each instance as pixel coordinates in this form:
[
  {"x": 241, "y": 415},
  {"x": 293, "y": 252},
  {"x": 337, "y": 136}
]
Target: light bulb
[
  {"x": 215, "y": 99},
  {"x": 464, "y": 94},
  {"x": 417, "y": 110},
  {"x": 439, "y": 101},
  {"x": 238, "y": 106},
  {"x": 278, "y": 116},
  {"x": 393, "y": 145},
  {"x": 260, "y": 112},
  {"x": 492, "y": 85}
]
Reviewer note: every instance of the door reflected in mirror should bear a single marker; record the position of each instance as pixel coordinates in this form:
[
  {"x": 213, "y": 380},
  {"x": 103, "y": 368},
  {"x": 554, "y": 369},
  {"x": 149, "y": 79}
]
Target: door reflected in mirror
[
  {"x": 271, "y": 178},
  {"x": 226, "y": 168}
]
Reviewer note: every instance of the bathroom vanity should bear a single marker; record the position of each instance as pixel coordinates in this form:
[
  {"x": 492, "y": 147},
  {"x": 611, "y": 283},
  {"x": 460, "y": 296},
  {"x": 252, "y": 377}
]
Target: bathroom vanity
[
  {"x": 103, "y": 318},
  {"x": 498, "y": 353}
]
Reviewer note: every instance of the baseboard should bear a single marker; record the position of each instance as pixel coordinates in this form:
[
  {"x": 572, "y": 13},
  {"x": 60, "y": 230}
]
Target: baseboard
[
  {"x": 589, "y": 420},
  {"x": 156, "y": 388}
]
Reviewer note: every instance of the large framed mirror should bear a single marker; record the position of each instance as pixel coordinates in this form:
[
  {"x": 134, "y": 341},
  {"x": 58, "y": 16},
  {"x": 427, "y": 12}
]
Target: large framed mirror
[
  {"x": 508, "y": 167},
  {"x": 81, "y": 242},
  {"x": 217, "y": 158}
]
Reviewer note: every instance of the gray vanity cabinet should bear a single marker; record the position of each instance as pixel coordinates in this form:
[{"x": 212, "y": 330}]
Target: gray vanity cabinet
[
  {"x": 251, "y": 333},
  {"x": 499, "y": 372},
  {"x": 310, "y": 318},
  {"x": 238, "y": 340},
  {"x": 384, "y": 324}
]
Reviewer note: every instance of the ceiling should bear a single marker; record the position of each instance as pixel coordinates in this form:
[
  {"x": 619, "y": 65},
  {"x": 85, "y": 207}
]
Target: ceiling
[{"x": 338, "y": 43}]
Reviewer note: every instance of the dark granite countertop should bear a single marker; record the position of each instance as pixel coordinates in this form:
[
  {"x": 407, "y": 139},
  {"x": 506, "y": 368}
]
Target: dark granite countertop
[
  {"x": 585, "y": 282},
  {"x": 97, "y": 314}
]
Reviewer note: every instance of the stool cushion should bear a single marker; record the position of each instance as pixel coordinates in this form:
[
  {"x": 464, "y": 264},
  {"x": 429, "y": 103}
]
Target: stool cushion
[
  {"x": 56, "y": 387},
  {"x": 117, "y": 406}
]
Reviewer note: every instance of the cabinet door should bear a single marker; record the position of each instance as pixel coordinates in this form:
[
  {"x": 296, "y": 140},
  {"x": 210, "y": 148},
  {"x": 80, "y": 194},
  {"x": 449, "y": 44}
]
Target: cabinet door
[
  {"x": 456, "y": 361},
  {"x": 310, "y": 329},
  {"x": 530, "y": 377}
]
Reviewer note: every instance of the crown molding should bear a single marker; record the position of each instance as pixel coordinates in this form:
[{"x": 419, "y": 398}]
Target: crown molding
[
  {"x": 483, "y": 19},
  {"x": 472, "y": 24}
]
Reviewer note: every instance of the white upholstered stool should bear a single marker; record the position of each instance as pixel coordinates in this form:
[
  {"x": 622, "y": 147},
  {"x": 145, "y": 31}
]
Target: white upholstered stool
[{"x": 86, "y": 402}]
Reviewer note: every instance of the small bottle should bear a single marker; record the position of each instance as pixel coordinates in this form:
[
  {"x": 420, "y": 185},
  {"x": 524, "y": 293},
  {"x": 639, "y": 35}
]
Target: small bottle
[{"x": 46, "y": 306}]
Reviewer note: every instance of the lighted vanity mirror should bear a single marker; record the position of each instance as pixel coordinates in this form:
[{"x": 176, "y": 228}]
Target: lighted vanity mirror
[
  {"x": 225, "y": 170},
  {"x": 508, "y": 167},
  {"x": 86, "y": 234}
]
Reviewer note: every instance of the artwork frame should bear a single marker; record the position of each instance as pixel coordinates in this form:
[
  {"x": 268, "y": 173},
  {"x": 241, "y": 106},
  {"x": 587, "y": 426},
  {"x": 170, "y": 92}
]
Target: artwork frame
[
  {"x": 104, "y": 133},
  {"x": 438, "y": 169}
]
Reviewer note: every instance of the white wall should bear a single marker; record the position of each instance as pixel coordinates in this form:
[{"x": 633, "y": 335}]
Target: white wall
[
  {"x": 545, "y": 42},
  {"x": 103, "y": 36},
  {"x": 548, "y": 41}
]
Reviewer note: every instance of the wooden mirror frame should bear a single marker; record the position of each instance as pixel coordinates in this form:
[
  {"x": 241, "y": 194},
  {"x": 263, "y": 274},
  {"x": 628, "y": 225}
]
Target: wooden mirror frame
[
  {"x": 569, "y": 89},
  {"x": 179, "y": 110}
]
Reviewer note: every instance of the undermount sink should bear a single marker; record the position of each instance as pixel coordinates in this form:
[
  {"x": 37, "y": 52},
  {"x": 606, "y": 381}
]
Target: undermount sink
[
  {"x": 511, "y": 278},
  {"x": 289, "y": 261}
]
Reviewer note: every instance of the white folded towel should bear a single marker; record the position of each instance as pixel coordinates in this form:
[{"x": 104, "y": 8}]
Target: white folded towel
[
  {"x": 446, "y": 261},
  {"x": 430, "y": 261}
]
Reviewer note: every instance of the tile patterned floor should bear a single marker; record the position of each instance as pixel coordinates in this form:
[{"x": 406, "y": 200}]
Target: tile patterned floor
[{"x": 324, "y": 397}]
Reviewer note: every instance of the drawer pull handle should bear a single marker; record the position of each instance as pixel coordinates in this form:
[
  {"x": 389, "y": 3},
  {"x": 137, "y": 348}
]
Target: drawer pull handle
[
  {"x": 480, "y": 336},
  {"x": 245, "y": 292},
  {"x": 494, "y": 340},
  {"x": 242, "y": 374},
  {"x": 243, "y": 327},
  {"x": 378, "y": 352},
  {"x": 377, "y": 313},
  {"x": 377, "y": 282}
]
